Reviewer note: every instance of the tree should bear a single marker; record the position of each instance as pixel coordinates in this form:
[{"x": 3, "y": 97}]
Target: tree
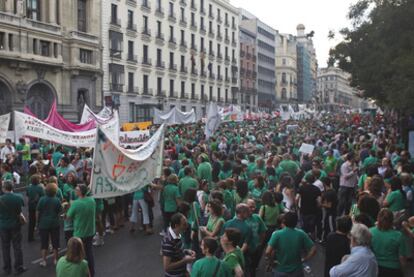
[{"x": 379, "y": 51}]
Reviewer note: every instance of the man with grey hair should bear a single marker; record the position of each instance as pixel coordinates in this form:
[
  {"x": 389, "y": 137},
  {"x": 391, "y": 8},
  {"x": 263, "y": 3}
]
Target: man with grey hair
[{"x": 361, "y": 261}]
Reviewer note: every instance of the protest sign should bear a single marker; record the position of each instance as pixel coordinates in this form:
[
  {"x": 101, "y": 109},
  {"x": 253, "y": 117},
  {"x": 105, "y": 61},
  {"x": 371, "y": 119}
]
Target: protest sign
[
  {"x": 4, "y": 126},
  {"x": 133, "y": 138},
  {"x": 306, "y": 148},
  {"x": 213, "y": 120},
  {"x": 117, "y": 171}
]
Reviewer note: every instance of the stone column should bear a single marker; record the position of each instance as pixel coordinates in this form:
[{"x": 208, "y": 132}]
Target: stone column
[{"x": 52, "y": 11}]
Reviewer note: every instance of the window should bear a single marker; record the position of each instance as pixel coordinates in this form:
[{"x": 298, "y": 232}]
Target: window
[
  {"x": 192, "y": 19},
  {"x": 172, "y": 87},
  {"x": 218, "y": 94},
  {"x": 85, "y": 56},
  {"x": 284, "y": 94},
  {"x": 131, "y": 50},
  {"x": 159, "y": 5},
  {"x": 45, "y": 48},
  {"x": 130, "y": 82},
  {"x": 159, "y": 85},
  {"x": 131, "y": 20},
  {"x": 192, "y": 91},
  {"x": 159, "y": 29},
  {"x": 2, "y": 36},
  {"x": 34, "y": 46},
  {"x": 145, "y": 53},
  {"x": 171, "y": 59},
  {"x": 171, "y": 10},
  {"x": 226, "y": 94},
  {"x": 33, "y": 9},
  {"x": 145, "y": 19},
  {"x": 211, "y": 94},
  {"x": 11, "y": 46},
  {"x": 182, "y": 37},
  {"x": 183, "y": 108},
  {"x": 202, "y": 23},
  {"x": 145, "y": 83},
  {"x": 131, "y": 112},
  {"x": 202, "y": 92},
  {"x": 182, "y": 89},
  {"x": 192, "y": 41},
  {"x": 171, "y": 33},
  {"x": 114, "y": 14},
  {"x": 284, "y": 81},
  {"x": 284, "y": 61},
  {"x": 202, "y": 44},
  {"x": 182, "y": 62},
  {"x": 182, "y": 14},
  {"x": 82, "y": 15}
]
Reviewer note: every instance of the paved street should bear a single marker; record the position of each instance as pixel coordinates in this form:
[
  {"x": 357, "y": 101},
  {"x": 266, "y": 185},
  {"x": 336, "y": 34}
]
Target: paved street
[{"x": 130, "y": 255}]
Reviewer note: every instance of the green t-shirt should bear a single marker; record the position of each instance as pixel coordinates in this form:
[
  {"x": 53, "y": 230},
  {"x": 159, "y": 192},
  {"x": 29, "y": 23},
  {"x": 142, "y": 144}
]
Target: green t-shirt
[
  {"x": 330, "y": 164},
  {"x": 395, "y": 201},
  {"x": 68, "y": 269},
  {"x": 361, "y": 181},
  {"x": 251, "y": 168},
  {"x": 82, "y": 212},
  {"x": 388, "y": 246},
  {"x": 56, "y": 158},
  {"x": 7, "y": 176},
  {"x": 270, "y": 214},
  {"x": 258, "y": 227},
  {"x": 186, "y": 183},
  {"x": 245, "y": 230},
  {"x": 34, "y": 192},
  {"x": 212, "y": 223},
  {"x": 170, "y": 195},
  {"x": 369, "y": 161},
  {"x": 290, "y": 167},
  {"x": 10, "y": 207},
  {"x": 234, "y": 258},
  {"x": 68, "y": 192},
  {"x": 49, "y": 209},
  {"x": 204, "y": 172},
  {"x": 26, "y": 156},
  {"x": 289, "y": 244},
  {"x": 223, "y": 175},
  {"x": 206, "y": 267}
]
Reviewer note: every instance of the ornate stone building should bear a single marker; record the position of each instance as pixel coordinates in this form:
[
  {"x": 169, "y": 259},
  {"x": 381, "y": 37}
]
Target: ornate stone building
[{"x": 50, "y": 50}]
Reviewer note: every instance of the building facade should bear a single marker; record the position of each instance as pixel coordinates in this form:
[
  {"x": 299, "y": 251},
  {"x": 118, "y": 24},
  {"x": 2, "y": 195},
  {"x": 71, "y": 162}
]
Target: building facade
[
  {"x": 50, "y": 51},
  {"x": 286, "y": 69},
  {"x": 334, "y": 91},
  {"x": 306, "y": 66},
  {"x": 266, "y": 53},
  {"x": 248, "y": 74},
  {"x": 169, "y": 53}
]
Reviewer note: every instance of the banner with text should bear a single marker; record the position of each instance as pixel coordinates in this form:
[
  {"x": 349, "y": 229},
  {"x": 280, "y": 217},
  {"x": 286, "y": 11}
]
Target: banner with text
[
  {"x": 118, "y": 171},
  {"x": 4, "y": 126},
  {"x": 133, "y": 138}
]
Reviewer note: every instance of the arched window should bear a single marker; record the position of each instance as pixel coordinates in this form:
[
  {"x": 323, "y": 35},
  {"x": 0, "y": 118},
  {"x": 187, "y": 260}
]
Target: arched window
[{"x": 39, "y": 99}]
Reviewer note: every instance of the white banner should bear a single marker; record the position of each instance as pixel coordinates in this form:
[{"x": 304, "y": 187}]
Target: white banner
[
  {"x": 231, "y": 113},
  {"x": 102, "y": 117},
  {"x": 118, "y": 171},
  {"x": 4, "y": 126},
  {"x": 306, "y": 148},
  {"x": 213, "y": 120},
  {"x": 133, "y": 138},
  {"x": 26, "y": 125},
  {"x": 174, "y": 116}
]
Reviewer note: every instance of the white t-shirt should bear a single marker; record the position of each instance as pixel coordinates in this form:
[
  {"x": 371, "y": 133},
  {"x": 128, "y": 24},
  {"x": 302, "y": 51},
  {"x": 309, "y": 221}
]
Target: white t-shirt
[{"x": 6, "y": 151}]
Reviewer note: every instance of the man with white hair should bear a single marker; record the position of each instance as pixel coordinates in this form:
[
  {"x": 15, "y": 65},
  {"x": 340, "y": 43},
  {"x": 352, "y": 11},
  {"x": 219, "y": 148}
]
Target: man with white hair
[{"x": 361, "y": 261}]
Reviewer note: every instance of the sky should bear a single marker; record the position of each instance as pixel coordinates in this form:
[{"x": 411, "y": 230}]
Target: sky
[{"x": 320, "y": 16}]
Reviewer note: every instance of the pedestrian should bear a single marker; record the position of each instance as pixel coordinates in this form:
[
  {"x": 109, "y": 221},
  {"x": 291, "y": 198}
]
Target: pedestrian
[
  {"x": 337, "y": 243},
  {"x": 347, "y": 183},
  {"x": 11, "y": 220},
  {"x": 73, "y": 264},
  {"x": 34, "y": 192},
  {"x": 388, "y": 246},
  {"x": 48, "y": 211},
  {"x": 361, "y": 261},
  {"x": 215, "y": 221},
  {"x": 233, "y": 257},
  {"x": 175, "y": 258},
  {"x": 287, "y": 245},
  {"x": 82, "y": 212},
  {"x": 210, "y": 265},
  {"x": 171, "y": 197},
  {"x": 239, "y": 222}
]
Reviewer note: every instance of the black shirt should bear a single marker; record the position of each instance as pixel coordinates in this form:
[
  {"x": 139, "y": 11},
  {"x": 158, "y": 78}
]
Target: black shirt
[
  {"x": 337, "y": 246},
  {"x": 308, "y": 199}
]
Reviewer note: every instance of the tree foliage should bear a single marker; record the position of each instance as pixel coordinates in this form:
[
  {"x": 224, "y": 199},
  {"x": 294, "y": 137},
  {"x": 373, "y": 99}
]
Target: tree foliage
[{"x": 379, "y": 51}]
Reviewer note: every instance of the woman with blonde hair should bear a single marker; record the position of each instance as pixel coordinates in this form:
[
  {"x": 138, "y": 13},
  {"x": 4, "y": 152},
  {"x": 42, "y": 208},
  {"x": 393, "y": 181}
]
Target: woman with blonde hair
[
  {"x": 48, "y": 211},
  {"x": 73, "y": 264}
]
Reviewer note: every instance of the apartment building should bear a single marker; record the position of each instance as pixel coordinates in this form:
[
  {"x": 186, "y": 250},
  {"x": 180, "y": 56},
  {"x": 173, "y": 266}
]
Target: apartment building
[
  {"x": 248, "y": 73},
  {"x": 286, "y": 69}
]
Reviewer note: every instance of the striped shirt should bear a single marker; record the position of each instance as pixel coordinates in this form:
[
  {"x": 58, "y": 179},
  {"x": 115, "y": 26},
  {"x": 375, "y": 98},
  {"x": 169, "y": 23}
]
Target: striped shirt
[{"x": 172, "y": 247}]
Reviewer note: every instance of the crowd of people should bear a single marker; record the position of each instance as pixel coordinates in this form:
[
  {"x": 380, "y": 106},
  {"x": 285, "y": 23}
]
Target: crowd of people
[{"x": 248, "y": 197}]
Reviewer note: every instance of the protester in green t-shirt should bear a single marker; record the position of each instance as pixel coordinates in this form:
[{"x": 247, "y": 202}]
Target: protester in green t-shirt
[
  {"x": 48, "y": 211},
  {"x": 233, "y": 257},
  {"x": 73, "y": 263},
  {"x": 170, "y": 197},
  {"x": 287, "y": 245},
  {"x": 395, "y": 199},
  {"x": 388, "y": 244},
  {"x": 187, "y": 181},
  {"x": 34, "y": 191},
  {"x": 209, "y": 265}
]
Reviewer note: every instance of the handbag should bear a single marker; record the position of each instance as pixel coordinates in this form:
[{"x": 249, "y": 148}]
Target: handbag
[{"x": 149, "y": 199}]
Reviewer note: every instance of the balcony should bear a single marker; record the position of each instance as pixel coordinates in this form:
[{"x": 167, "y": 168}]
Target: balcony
[
  {"x": 132, "y": 27},
  {"x": 202, "y": 11},
  {"x": 211, "y": 33},
  {"x": 227, "y": 79},
  {"x": 133, "y": 90},
  {"x": 194, "y": 72},
  {"x": 146, "y": 33},
  {"x": 233, "y": 42},
  {"x": 211, "y": 54},
  {"x": 116, "y": 21},
  {"x": 146, "y": 6},
  {"x": 211, "y": 76},
  {"x": 203, "y": 50},
  {"x": 242, "y": 72},
  {"x": 160, "y": 65},
  {"x": 203, "y": 74},
  {"x": 183, "y": 46},
  {"x": 173, "y": 94},
  {"x": 234, "y": 80},
  {"x": 233, "y": 26},
  {"x": 172, "y": 42},
  {"x": 183, "y": 22},
  {"x": 193, "y": 6},
  {"x": 219, "y": 19},
  {"x": 132, "y": 58},
  {"x": 220, "y": 78},
  {"x": 115, "y": 53},
  {"x": 203, "y": 30},
  {"x": 160, "y": 38},
  {"x": 242, "y": 53},
  {"x": 193, "y": 26},
  {"x": 147, "y": 91},
  {"x": 116, "y": 87},
  {"x": 160, "y": 12},
  {"x": 146, "y": 61},
  {"x": 226, "y": 23},
  {"x": 227, "y": 39},
  {"x": 172, "y": 67},
  {"x": 212, "y": 98},
  {"x": 211, "y": 15},
  {"x": 183, "y": 69},
  {"x": 161, "y": 93},
  {"x": 194, "y": 47},
  {"x": 219, "y": 36},
  {"x": 172, "y": 18},
  {"x": 183, "y": 3},
  {"x": 227, "y": 58},
  {"x": 233, "y": 61},
  {"x": 219, "y": 56},
  {"x": 84, "y": 36},
  {"x": 194, "y": 96}
]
